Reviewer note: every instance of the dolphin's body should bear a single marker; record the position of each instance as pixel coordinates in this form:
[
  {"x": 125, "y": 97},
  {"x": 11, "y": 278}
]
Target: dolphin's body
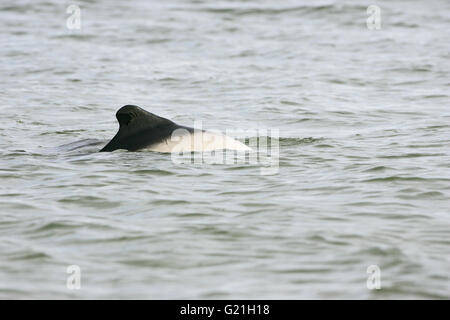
[{"x": 140, "y": 129}]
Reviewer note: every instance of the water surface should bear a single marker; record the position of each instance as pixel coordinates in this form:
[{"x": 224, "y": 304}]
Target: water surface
[{"x": 364, "y": 174}]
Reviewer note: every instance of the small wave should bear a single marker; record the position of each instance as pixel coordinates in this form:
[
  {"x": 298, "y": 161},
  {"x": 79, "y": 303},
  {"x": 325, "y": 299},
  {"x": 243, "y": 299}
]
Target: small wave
[
  {"x": 426, "y": 195},
  {"x": 31, "y": 256},
  {"x": 398, "y": 178},
  {"x": 155, "y": 172},
  {"x": 77, "y": 37},
  {"x": 81, "y": 144},
  {"x": 285, "y": 142},
  {"x": 419, "y": 69},
  {"x": 377, "y": 169},
  {"x": 302, "y": 9},
  {"x": 16, "y": 8},
  {"x": 62, "y": 132},
  {"x": 435, "y": 96},
  {"x": 413, "y": 155},
  {"x": 405, "y": 25}
]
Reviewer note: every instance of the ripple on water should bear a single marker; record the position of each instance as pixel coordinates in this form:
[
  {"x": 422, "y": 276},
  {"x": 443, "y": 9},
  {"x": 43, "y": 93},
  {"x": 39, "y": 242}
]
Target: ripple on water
[
  {"x": 378, "y": 169},
  {"x": 153, "y": 172},
  {"x": 289, "y": 141},
  {"x": 90, "y": 201},
  {"x": 405, "y": 179}
]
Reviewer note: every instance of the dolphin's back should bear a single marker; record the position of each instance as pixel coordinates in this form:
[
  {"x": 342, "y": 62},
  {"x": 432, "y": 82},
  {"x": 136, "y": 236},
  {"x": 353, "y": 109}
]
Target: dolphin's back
[{"x": 140, "y": 129}]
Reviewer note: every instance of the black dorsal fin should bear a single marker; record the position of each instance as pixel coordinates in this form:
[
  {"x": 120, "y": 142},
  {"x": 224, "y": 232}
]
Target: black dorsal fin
[{"x": 138, "y": 129}]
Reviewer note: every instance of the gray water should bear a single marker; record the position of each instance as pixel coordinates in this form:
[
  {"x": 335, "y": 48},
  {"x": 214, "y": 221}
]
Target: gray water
[{"x": 364, "y": 165}]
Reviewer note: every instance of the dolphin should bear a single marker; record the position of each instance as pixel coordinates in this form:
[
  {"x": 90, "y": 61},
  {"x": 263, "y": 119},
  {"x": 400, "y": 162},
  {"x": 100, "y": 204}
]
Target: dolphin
[{"x": 142, "y": 130}]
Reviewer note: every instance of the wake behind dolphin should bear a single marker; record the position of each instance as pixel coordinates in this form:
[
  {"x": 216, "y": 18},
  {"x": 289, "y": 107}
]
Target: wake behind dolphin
[{"x": 140, "y": 129}]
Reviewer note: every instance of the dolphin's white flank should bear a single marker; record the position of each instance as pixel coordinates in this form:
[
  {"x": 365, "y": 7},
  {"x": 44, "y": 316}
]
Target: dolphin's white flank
[{"x": 198, "y": 141}]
